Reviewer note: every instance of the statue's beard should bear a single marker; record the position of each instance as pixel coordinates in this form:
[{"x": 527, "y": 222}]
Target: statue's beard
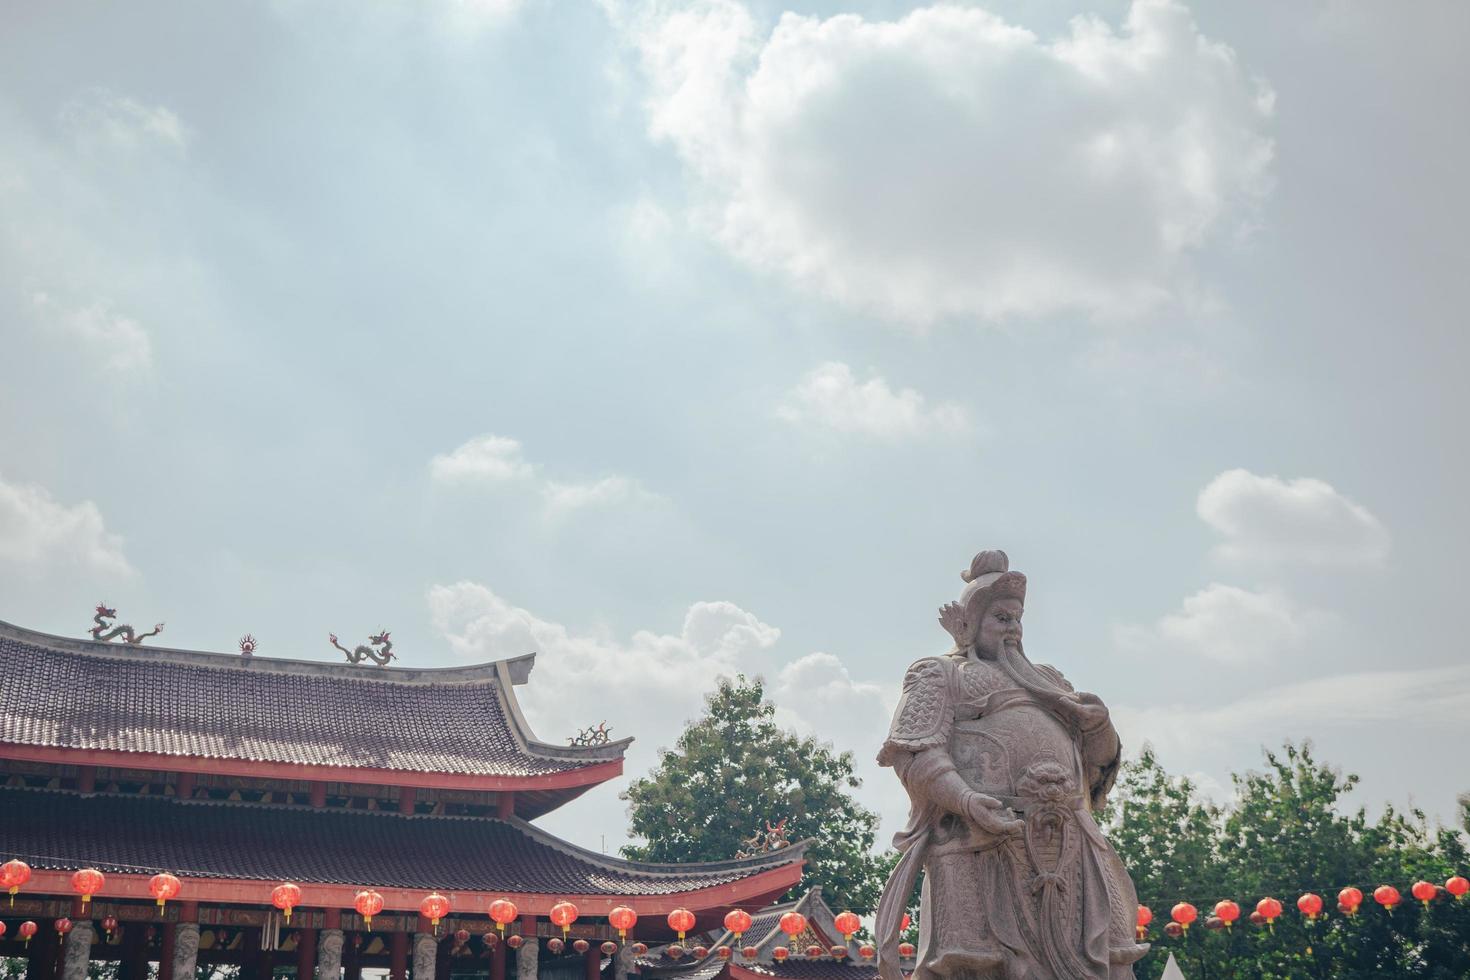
[{"x": 1019, "y": 668}]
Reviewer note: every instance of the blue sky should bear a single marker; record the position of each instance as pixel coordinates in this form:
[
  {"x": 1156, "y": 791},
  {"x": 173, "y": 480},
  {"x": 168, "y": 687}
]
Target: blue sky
[{"x": 677, "y": 339}]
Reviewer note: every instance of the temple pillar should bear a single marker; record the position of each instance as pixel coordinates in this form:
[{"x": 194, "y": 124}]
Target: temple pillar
[
  {"x": 328, "y": 955},
  {"x": 184, "y": 786},
  {"x": 318, "y": 794},
  {"x": 497, "y": 961},
  {"x": 406, "y": 799},
  {"x": 305, "y": 953},
  {"x": 186, "y": 952},
  {"x": 77, "y": 952},
  {"x": 41, "y": 954},
  {"x": 624, "y": 962},
  {"x": 592, "y": 961},
  {"x": 527, "y": 957},
  {"x": 425, "y": 952},
  {"x": 352, "y": 959},
  {"x": 505, "y": 805},
  {"x": 444, "y": 959},
  {"x": 86, "y": 779},
  {"x": 398, "y": 956},
  {"x": 165, "y": 950}
]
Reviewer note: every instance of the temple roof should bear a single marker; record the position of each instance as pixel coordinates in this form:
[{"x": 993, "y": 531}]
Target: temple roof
[
  {"x": 139, "y": 835},
  {"x": 334, "y": 721}
]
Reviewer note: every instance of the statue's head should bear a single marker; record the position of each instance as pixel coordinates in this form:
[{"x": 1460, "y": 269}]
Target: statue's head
[{"x": 988, "y": 613}]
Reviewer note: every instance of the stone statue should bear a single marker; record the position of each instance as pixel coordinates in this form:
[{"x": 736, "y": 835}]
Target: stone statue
[{"x": 1004, "y": 763}]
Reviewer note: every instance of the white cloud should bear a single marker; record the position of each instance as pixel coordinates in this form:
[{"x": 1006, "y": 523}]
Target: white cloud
[
  {"x": 102, "y": 119},
  {"x": 1435, "y": 698},
  {"x": 830, "y": 396},
  {"x": 1266, "y": 518},
  {"x": 483, "y": 459},
  {"x": 119, "y": 344},
  {"x": 1228, "y": 625},
  {"x": 951, "y": 164},
  {"x": 38, "y": 531},
  {"x": 563, "y": 498}
]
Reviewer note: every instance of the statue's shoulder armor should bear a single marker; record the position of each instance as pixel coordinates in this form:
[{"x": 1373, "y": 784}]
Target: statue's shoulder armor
[{"x": 924, "y": 714}]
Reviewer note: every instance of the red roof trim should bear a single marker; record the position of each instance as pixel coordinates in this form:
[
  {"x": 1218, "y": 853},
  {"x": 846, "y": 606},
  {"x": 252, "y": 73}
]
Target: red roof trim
[
  {"x": 584, "y": 776},
  {"x": 773, "y": 881}
]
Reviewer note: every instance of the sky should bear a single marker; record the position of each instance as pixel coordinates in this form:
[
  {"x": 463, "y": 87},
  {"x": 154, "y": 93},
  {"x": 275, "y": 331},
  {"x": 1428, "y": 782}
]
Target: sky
[{"x": 675, "y": 340}]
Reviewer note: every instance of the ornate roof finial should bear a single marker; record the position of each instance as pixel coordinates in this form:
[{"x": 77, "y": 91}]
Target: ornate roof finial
[
  {"x": 247, "y": 645},
  {"x": 598, "y": 734},
  {"x": 363, "y": 652},
  {"x": 103, "y": 634},
  {"x": 772, "y": 838}
]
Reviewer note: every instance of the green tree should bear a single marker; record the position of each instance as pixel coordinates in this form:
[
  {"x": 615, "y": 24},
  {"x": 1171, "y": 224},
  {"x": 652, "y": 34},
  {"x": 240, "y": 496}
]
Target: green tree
[
  {"x": 734, "y": 769},
  {"x": 1287, "y": 832}
]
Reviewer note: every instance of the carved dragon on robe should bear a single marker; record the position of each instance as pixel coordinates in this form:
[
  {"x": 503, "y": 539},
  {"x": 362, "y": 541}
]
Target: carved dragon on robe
[
  {"x": 103, "y": 634},
  {"x": 363, "y": 651}
]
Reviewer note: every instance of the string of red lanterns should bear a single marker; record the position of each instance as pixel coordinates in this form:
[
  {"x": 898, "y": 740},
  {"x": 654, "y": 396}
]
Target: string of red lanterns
[{"x": 1226, "y": 913}]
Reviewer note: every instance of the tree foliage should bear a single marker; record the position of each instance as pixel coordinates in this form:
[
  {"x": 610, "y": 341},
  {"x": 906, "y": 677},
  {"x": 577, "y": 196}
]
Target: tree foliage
[
  {"x": 734, "y": 769},
  {"x": 1287, "y": 832}
]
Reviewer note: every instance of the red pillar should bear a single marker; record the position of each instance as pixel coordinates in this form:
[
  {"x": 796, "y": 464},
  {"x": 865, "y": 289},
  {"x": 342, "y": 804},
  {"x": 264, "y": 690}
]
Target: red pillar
[
  {"x": 86, "y": 779},
  {"x": 305, "y": 953},
  {"x": 592, "y": 960},
  {"x": 406, "y": 799},
  {"x": 505, "y": 805},
  {"x": 398, "y": 956},
  {"x": 318, "y": 794},
  {"x": 442, "y": 959},
  {"x": 166, "y": 952},
  {"x": 497, "y": 961},
  {"x": 184, "y": 786}
]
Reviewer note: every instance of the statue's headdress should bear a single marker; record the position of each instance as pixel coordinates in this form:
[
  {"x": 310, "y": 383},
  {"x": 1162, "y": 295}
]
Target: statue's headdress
[{"x": 988, "y": 578}]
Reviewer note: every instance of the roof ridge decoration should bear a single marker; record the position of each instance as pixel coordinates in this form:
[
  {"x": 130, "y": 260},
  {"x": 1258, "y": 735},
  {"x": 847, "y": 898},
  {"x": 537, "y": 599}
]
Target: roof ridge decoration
[{"x": 104, "y": 631}]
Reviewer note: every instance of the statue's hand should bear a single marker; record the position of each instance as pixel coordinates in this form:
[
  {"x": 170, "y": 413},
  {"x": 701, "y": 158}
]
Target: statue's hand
[{"x": 989, "y": 815}]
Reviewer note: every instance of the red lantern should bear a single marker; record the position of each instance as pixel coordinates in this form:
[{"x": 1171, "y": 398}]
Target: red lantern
[
  {"x": 1214, "y": 923},
  {"x": 1184, "y": 914},
  {"x": 286, "y": 896},
  {"x": 724, "y": 952},
  {"x": 814, "y": 952},
  {"x": 903, "y": 925},
  {"x": 1387, "y": 896},
  {"x": 867, "y": 951},
  {"x": 1145, "y": 916},
  {"x": 1257, "y": 919},
  {"x": 554, "y": 946},
  {"x": 609, "y": 948},
  {"x": 1424, "y": 891},
  {"x": 2, "y": 929},
  {"x": 681, "y": 921},
  {"x": 1350, "y": 897},
  {"x": 86, "y": 883},
  {"x": 27, "y": 930},
  {"x": 368, "y": 904},
  {"x": 737, "y": 921},
  {"x": 109, "y": 923},
  {"x": 838, "y": 952},
  {"x": 163, "y": 887},
  {"x": 461, "y": 936},
  {"x": 434, "y": 907},
  {"x": 639, "y": 949},
  {"x": 515, "y": 941},
  {"x": 1269, "y": 909},
  {"x": 503, "y": 912},
  {"x": 563, "y": 914},
  {"x": 674, "y": 951},
  {"x": 62, "y": 925},
  {"x": 847, "y": 923},
  {"x": 622, "y": 919},
  {"x": 780, "y": 953},
  {"x": 1457, "y": 886},
  {"x": 1227, "y": 912},
  {"x": 905, "y": 950},
  {"x": 13, "y": 874},
  {"x": 699, "y": 952},
  {"x": 581, "y": 946},
  {"x": 1310, "y": 905},
  {"x": 490, "y": 939},
  {"x": 793, "y": 924},
  {"x": 1173, "y": 930}
]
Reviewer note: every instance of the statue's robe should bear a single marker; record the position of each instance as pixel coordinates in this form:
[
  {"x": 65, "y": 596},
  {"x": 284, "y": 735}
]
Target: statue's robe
[{"x": 1052, "y": 903}]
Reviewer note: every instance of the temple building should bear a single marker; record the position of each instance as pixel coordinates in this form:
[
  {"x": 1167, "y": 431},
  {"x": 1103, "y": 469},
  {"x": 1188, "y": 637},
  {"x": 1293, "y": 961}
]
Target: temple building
[{"x": 237, "y": 775}]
